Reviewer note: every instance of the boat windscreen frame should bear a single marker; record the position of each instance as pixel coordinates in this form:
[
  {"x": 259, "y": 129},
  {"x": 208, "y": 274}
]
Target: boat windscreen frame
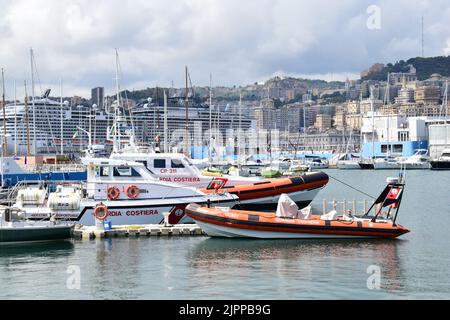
[{"x": 382, "y": 199}]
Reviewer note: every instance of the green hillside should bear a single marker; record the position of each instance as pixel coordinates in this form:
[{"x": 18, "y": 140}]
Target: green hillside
[{"x": 425, "y": 67}]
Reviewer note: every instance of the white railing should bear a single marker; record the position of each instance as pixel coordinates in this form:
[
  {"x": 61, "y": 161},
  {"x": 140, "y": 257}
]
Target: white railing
[
  {"x": 355, "y": 207},
  {"x": 44, "y": 168}
]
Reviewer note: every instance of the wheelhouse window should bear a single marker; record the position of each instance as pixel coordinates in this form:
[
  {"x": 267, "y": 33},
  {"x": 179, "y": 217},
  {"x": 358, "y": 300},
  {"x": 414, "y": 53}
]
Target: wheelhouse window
[
  {"x": 125, "y": 172},
  {"x": 159, "y": 163},
  {"x": 104, "y": 171},
  {"x": 176, "y": 163}
]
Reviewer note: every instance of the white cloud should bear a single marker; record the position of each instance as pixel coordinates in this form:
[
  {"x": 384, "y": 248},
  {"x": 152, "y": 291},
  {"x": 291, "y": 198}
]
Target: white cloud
[{"x": 238, "y": 41}]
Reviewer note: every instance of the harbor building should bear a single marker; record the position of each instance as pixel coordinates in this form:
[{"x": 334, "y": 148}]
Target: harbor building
[
  {"x": 428, "y": 95},
  {"x": 97, "y": 96},
  {"x": 392, "y": 135},
  {"x": 339, "y": 120},
  {"x": 265, "y": 115},
  {"x": 353, "y": 107},
  {"x": 399, "y": 78},
  {"x": 405, "y": 95},
  {"x": 438, "y": 135},
  {"x": 323, "y": 122},
  {"x": 366, "y": 105},
  {"x": 353, "y": 121},
  {"x": 330, "y": 141}
]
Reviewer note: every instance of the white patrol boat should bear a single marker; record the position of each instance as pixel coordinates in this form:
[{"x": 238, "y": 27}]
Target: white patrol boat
[{"x": 123, "y": 191}]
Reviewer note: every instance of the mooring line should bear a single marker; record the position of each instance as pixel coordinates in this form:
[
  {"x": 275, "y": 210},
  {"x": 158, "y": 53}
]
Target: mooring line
[{"x": 346, "y": 184}]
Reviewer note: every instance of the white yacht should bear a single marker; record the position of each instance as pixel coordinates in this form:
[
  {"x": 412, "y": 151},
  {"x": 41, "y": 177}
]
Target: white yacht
[
  {"x": 348, "y": 161},
  {"x": 125, "y": 191},
  {"x": 443, "y": 162},
  {"x": 316, "y": 163},
  {"x": 385, "y": 163},
  {"x": 419, "y": 160}
]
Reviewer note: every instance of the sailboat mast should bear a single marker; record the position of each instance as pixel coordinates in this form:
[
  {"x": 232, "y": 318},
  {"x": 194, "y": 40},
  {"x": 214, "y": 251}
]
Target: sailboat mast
[
  {"x": 166, "y": 149},
  {"x": 116, "y": 109},
  {"x": 26, "y": 120},
  {"x": 373, "y": 124},
  {"x": 186, "y": 108},
  {"x": 61, "y": 105},
  {"x": 445, "y": 103},
  {"x": 5, "y": 140},
  {"x": 32, "y": 101},
  {"x": 15, "y": 118},
  {"x": 239, "y": 132},
  {"x": 210, "y": 119}
]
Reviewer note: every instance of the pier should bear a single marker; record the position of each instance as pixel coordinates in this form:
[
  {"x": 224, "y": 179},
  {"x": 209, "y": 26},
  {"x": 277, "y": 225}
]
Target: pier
[{"x": 151, "y": 230}]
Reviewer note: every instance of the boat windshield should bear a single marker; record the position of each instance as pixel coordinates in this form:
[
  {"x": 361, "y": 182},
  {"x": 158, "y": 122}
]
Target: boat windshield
[{"x": 421, "y": 152}]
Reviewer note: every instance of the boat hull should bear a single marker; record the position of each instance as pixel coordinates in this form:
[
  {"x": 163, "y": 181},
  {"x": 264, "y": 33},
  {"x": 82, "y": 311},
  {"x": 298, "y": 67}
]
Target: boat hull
[
  {"x": 416, "y": 165},
  {"x": 348, "y": 165},
  {"x": 214, "y": 230},
  {"x": 34, "y": 234},
  {"x": 440, "y": 165},
  {"x": 366, "y": 166}
]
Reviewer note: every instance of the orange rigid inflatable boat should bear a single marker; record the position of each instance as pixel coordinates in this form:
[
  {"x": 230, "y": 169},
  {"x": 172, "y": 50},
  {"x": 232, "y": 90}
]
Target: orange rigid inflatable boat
[
  {"x": 225, "y": 222},
  {"x": 264, "y": 195}
]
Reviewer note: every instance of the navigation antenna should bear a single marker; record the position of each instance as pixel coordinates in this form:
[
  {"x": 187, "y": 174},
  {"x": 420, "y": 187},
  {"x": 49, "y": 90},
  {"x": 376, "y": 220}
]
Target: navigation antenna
[
  {"x": 186, "y": 102},
  {"x": 5, "y": 141},
  {"x": 423, "y": 54}
]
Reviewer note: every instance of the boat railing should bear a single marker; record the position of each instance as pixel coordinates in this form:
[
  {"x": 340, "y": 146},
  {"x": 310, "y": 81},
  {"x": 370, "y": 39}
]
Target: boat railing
[
  {"x": 9, "y": 196},
  {"x": 47, "y": 167},
  {"x": 355, "y": 207}
]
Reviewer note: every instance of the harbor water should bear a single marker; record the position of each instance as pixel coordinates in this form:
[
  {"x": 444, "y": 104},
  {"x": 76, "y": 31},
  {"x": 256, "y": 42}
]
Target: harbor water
[{"x": 413, "y": 266}]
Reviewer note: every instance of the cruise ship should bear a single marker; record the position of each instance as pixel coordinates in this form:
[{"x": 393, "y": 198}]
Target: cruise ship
[
  {"x": 43, "y": 126},
  {"x": 48, "y": 126},
  {"x": 148, "y": 120}
]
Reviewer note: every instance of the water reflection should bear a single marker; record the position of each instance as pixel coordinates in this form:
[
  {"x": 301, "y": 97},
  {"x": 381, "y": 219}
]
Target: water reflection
[
  {"x": 36, "y": 249},
  {"x": 116, "y": 270},
  {"x": 299, "y": 263}
]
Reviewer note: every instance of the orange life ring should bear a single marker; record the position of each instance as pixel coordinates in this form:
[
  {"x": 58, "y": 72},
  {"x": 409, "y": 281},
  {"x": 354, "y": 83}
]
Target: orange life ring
[
  {"x": 132, "y": 192},
  {"x": 113, "y": 193},
  {"x": 101, "y": 212}
]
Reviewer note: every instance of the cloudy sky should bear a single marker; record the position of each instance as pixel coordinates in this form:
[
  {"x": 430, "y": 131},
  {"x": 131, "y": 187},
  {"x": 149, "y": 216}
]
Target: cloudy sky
[{"x": 238, "y": 41}]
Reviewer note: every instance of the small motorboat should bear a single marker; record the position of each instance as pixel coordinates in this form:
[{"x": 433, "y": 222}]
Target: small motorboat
[
  {"x": 289, "y": 222},
  {"x": 271, "y": 172},
  {"x": 14, "y": 228}
]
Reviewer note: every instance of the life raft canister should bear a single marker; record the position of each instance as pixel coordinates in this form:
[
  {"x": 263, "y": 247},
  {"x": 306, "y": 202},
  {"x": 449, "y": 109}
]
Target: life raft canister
[
  {"x": 132, "y": 192},
  {"x": 113, "y": 193},
  {"x": 101, "y": 211}
]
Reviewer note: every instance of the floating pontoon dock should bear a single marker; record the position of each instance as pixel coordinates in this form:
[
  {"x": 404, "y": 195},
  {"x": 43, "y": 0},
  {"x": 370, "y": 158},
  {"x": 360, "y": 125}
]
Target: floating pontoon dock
[{"x": 151, "y": 230}]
